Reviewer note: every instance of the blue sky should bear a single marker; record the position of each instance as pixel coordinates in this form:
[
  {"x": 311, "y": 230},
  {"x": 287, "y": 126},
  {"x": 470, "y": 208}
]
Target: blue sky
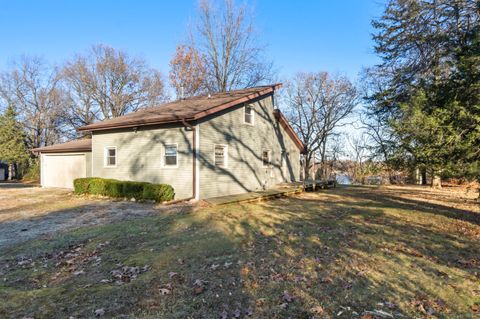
[{"x": 321, "y": 35}]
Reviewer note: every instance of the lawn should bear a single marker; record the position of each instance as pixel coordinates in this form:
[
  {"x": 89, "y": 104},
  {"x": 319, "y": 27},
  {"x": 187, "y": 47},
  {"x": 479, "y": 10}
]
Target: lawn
[{"x": 356, "y": 252}]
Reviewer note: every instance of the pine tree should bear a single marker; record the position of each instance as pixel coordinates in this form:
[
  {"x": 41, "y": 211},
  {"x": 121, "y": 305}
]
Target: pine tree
[
  {"x": 430, "y": 67},
  {"x": 13, "y": 148}
]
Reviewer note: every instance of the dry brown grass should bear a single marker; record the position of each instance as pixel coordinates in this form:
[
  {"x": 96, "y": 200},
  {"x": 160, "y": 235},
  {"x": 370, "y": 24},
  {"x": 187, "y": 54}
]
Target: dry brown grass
[{"x": 344, "y": 253}]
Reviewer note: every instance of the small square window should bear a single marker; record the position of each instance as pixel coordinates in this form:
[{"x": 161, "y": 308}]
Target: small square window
[
  {"x": 110, "y": 156},
  {"x": 170, "y": 155},
  {"x": 266, "y": 158},
  {"x": 248, "y": 114},
  {"x": 220, "y": 155}
]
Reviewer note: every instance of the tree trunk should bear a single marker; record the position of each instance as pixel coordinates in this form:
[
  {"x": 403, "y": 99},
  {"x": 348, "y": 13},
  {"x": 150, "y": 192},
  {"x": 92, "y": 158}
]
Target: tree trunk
[
  {"x": 11, "y": 170},
  {"x": 436, "y": 181},
  {"x": 389, "y": 179},
  {"x": 424, "y": 176},
  {"x": 323, "y": 174},
  {"x": 306, "y": 169}
]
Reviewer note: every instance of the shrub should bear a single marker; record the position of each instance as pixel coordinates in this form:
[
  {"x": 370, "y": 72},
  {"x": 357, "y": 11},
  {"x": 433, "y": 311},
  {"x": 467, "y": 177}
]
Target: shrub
[
  {"x": 80, "y": 185},
  {"x": 158, "y": 192},
  {"x": 114, "y": 188},
  {"x": 134, "y": 189},
  {"x": 129, "y": 189},
  {"x": 98, "y": 186}
]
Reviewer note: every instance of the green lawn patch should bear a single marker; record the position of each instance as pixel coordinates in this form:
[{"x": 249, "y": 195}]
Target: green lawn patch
[{"x": 347, "y": 253}]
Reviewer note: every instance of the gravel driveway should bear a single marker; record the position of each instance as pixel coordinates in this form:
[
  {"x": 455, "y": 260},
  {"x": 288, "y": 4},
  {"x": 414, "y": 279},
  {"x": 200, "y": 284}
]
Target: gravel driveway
[{"x": 32, "y": 212}]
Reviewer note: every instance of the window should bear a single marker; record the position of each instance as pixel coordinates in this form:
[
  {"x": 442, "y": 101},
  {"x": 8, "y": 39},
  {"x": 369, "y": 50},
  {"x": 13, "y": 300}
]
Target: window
[
  {"x": 170, "y": 155},
  {"x": 266, "y": 158},
  {"x": 111, "y": 156},
  {"x": 220, "y": 155},
  {"x": 248, "y": 115}
]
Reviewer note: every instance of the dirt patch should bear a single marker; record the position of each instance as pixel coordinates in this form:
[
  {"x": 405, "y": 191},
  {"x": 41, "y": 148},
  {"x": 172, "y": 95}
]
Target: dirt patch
[{"x": 31, "y": 212}]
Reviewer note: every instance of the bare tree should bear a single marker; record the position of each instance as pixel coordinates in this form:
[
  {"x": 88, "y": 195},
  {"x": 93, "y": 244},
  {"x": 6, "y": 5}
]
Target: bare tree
[
  {"x": 187, "y": 72},
  {"x": 32, "y": 88},
  {"x": 107, "y": 83},
  {"x": 317, "y": 105},
  {"x": 227, "y": 49},
  {"x": 79, "y": 108},
  {"x": 358, "y": 154},
  {"x": 375, "y": 123}
]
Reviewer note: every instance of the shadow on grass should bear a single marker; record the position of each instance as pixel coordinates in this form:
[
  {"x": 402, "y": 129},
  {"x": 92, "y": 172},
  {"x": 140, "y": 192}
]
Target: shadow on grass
[
  {"x": 316, "y": 256},
  {"x": 393, "y": 199},
  {"x": 16, "y": 185}
]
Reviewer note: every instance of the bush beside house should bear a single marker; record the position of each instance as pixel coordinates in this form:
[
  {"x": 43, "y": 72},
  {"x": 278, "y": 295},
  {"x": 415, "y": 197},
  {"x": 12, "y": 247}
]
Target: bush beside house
[{"x": 129, "y": 189}]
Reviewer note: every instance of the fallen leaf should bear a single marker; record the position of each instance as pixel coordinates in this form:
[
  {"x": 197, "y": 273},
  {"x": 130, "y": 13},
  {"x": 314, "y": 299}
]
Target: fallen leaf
[
  {"x": 198, "y": 290},
  {"x": 317, "y": 310},
  {"x": 260, "y": 302},
  {"x": 237, "y": 313},
  {"x": 165, "y": 291},
  {"x": 287, "y": 297},
  {"x": 99, "y": 312}
]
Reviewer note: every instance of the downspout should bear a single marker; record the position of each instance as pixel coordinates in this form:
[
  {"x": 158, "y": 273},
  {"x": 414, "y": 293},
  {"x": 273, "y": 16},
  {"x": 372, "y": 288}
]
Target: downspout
[{"x": 194, "y": 162}]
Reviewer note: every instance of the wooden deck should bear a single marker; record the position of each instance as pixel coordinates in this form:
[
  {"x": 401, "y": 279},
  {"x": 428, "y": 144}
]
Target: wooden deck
[
  {"x": 256, "y": 196},
  {"x": 280, "y": 190}
]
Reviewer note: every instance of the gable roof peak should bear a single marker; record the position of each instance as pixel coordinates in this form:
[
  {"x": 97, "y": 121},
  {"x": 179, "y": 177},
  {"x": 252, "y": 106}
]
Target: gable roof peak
[{"x": 189, "y": 109}]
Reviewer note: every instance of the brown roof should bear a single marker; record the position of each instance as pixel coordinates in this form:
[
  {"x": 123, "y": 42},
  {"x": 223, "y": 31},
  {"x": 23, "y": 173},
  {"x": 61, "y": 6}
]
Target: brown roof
[
  {"x": 84, "y": 145},
  {"x": 288, "y": 128},
  {"x": 193, "y": 108},
  {"x": 189, "y": 109}
]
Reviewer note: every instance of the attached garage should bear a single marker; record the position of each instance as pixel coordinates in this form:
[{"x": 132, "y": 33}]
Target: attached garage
[{"x": 60, "y": 164}]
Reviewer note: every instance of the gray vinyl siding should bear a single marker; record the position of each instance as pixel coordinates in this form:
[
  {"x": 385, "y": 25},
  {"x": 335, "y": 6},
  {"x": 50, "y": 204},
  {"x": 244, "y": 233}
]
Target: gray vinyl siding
[
  {"x": 245, "y": 171},
  {"x": 88, "y": 159},
  {"x": 140, "y": 156}
]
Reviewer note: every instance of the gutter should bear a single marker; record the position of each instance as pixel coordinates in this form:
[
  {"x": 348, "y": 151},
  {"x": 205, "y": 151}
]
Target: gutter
[
  {"x": 194, "y": 162},
  {"x": 193, "y": 117}
]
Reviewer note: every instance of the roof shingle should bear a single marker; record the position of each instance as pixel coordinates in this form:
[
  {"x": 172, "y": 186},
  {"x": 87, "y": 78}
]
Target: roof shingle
[
  {"x": 84, "y": 145},
  {"x": 189, "y": 109}
]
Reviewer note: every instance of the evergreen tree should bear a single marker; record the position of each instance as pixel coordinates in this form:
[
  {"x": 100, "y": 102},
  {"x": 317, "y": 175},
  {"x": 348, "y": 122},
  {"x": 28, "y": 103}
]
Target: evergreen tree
[
  {"x": 13, "y": 148},
  {"x": 430, "y": 68}
]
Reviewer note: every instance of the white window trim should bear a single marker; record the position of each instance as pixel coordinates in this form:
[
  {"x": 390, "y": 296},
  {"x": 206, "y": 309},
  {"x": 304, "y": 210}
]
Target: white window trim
[
  {"x": 225, "y": 156},
  {"x": 105, "y": 152},
  {"x": 164, "y": 165},
  {"x": 253, "y": 115},
  {"x": 269, "y": 159}
]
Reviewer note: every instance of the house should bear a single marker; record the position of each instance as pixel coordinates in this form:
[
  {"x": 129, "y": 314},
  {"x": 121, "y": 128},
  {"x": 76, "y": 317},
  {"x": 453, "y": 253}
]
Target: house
[{"x": 204, "y": 146}]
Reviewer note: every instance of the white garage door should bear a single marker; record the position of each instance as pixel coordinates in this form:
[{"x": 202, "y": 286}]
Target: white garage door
[{"x": 61, "y": 170}]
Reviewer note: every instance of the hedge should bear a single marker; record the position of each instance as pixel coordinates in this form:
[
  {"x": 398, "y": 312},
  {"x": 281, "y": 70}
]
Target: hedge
[
  {"x": 157, "y": 192},
  {"x": 129, "y": 189}
]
